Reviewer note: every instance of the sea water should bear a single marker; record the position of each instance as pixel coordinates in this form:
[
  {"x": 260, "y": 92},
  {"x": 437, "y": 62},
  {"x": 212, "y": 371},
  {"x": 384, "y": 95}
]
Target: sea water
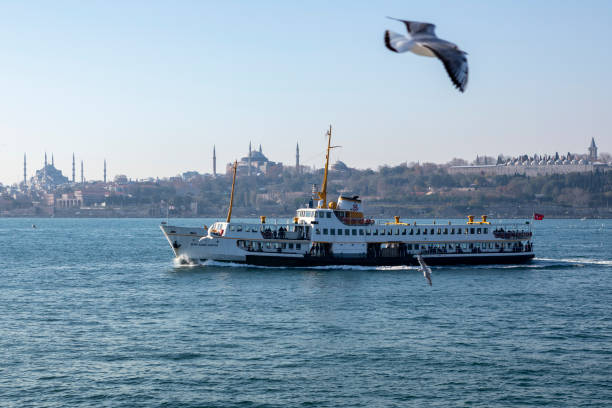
[{"x": 94, "y": 312}]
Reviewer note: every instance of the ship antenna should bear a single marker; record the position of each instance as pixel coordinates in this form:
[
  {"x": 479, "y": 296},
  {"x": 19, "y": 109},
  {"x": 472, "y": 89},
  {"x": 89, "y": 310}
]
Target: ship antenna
[
  {"x": 323, "y": 193},
  {"x": 229, "y": 213}
]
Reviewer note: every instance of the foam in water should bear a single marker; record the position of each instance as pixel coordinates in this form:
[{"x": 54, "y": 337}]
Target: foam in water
[
  {"x": 587, "y": 261},
  {"x": 185, "y": 262}
]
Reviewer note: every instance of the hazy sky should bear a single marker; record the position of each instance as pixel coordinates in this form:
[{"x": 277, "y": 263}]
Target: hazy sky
[{"x": 151, "y": 86}]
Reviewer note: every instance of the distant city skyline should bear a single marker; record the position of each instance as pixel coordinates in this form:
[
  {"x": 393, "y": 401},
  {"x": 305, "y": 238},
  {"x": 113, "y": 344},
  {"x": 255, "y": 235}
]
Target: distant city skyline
[
  {"x": 591, "y": 151},
  {"x": 152, "y": 87}
]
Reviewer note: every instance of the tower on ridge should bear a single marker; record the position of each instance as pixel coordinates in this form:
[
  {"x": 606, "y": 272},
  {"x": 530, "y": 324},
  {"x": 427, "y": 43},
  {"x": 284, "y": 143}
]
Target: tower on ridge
[
  {"x": 214, "y": 161},
  {"x": 593, "y": 150},
  {"x": 297, "y": 158},
  {"x": 45, "y": 159}
]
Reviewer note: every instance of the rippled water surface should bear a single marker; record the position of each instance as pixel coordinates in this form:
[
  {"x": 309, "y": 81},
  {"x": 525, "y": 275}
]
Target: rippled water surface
[{"x": 95, "y": 313}]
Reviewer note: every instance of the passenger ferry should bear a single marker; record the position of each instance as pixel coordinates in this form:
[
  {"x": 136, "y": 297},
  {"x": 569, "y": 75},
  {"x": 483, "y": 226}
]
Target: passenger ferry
[{"x": 337, "y": 233}]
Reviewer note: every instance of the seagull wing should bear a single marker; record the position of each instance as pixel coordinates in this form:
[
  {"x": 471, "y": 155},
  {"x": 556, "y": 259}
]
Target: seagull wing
[
  {"x": 454, "y": 60},
  {"x": 417, "y": 28},
  {"x": 397, "y": 42}
]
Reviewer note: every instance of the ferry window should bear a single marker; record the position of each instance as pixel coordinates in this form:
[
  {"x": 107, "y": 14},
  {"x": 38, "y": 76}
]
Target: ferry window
[
  {"x": 411, "y": 231},
  {"x": 375, "y": 232},
  {"x": 439, "y": 231},
  {"x": 478, "y": 230},
  {"x": 360, "y": 231},
  {"x": 416, "y": 246},
  {"x": 404, "y": 231},
  {"x": 382, "y": 231},
  {"x": 317, "y": 231},
  {"x": 432, "y": 231},
  {"x": 328, "y": 214},
  {"x": 445, "y": 231},
  {"x": 354, "y": 232},
  {"x": 466, "y": 231},
  {"x": 324, "y": 231},
  {"x": 486, "y": 230},
  {"x": 290, "y": 246},
  {"x": 424, "y": 231},
  {"x": 452, "y": 231},
  {"x": 347, "y": 231},
  {"x": 298, "y": 246},
  {"x": 332, "y": 231},
  {"x": 267, "y": 245},
  {"x": 239, "y": 228},
  {"x": 397, "y": 231},
  {"x": 472, "y": 230},
  {"x": 284, "y": 245},
  {"x": 471, "y": 245},
  {"x": 409, "y": 246},
  {"x": 368, "y": 232},
  {"x": 231, "y": 228},
  {"x": 418, "y": 231}
]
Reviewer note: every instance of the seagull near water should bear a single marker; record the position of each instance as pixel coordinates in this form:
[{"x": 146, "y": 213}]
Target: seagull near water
[{"x": 422, "y": 40}]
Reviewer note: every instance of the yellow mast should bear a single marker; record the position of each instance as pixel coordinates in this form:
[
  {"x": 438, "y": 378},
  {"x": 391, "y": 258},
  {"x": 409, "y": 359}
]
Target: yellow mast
[
  {"x": 229, "y": 213},
  {"x": 323, "y": 192}
]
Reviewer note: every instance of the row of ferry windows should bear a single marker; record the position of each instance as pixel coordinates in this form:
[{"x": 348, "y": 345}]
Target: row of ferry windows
[
  {"x": 401, "y": 231},
  {"x": 257, "y": 245},
  {"x": 262, "y": 228},
  {"x": 314, "y": 214}
]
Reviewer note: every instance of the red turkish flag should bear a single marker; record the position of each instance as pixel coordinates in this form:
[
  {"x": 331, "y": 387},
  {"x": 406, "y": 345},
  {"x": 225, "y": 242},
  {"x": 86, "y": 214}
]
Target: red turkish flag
[{"x": 538, "y": 217}]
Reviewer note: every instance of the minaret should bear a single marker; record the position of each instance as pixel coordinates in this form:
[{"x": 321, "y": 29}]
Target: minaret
[
  {"x": 297, "y": 158},
  {"x": 104, "y": 171},
  {"x": 25, "y": 174},
  {"x": 249, "y": 158},
  {"x": 52, "y": 161},
  {"x": 73, "y": 169},
  {"x": 214, "y": 161},
  {"x": 82, "y": 176},
  {"x": 260, "y": 149}
]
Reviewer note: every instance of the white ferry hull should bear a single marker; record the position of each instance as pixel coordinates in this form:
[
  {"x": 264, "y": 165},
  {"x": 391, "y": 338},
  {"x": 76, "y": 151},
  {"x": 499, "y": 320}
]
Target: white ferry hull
[{"x": 195, "y": 245}]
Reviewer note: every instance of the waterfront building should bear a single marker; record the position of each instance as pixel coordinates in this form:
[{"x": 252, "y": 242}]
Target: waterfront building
[{"x": 537, "y": 165}]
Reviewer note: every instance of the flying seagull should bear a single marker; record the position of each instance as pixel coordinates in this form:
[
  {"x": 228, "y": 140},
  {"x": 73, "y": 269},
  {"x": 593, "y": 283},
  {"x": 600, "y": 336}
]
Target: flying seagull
[{"x": 422, "y": 40}]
